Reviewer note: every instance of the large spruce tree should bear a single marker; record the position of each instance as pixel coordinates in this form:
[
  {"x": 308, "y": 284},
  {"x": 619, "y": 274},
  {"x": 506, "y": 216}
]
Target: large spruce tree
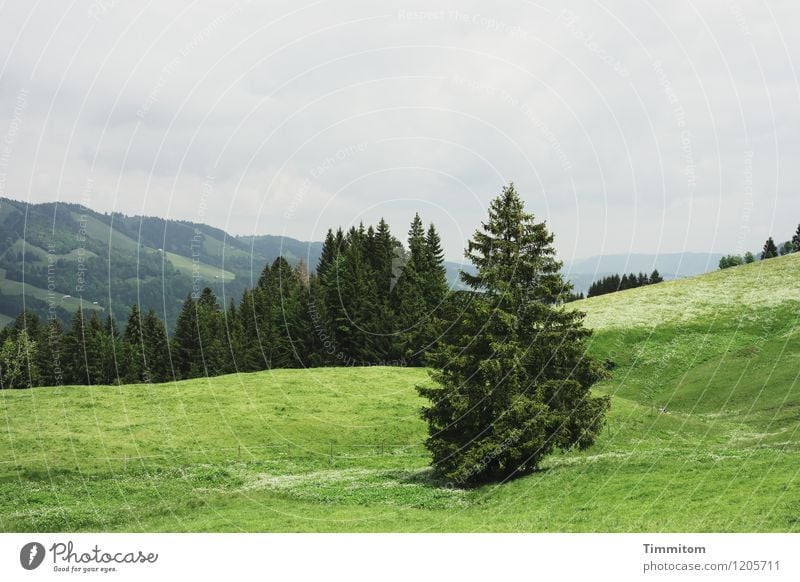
[
  {"x": 513, "y": 381},
  {"x": 796, "y": 240}
]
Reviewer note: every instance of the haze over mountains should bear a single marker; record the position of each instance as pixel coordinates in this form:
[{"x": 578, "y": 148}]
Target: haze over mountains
[{"x": 55, "y": 256}]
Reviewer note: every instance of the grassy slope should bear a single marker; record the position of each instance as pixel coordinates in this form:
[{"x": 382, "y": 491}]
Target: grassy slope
[
  {"x": 209, "y": 273},
  {"x": 720, "y": 351}
]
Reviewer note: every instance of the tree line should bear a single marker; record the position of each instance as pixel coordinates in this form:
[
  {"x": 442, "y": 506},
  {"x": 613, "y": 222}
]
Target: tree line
[
  {"x": 613, "y": 283},
  {"x": 769, "y": 251},
  {"x": 370, "y": 301}
]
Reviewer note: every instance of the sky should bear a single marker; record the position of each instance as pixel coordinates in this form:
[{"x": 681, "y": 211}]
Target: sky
[{"x": 629, "y": 126}]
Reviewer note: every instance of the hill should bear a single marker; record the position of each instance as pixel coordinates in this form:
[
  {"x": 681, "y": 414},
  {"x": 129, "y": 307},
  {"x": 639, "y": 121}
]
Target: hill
[
  {"x": 702, "y": 436},
  {"x": 54, "y": 255}
]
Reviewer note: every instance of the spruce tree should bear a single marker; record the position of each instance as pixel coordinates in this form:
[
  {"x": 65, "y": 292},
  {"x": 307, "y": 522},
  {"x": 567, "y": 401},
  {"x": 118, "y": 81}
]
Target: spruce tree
[
  {"x": 156, "y": 347},
  {"x": 356, "y": 326},
  {"x": 74, "y": 351},
  {"x": 385, "y": 261},
  {"x": 770, "y": 250},
  {"x": 185, "y": 343},
  {"x": 250, "y": 357},
  {"x": 234, "y": 331},
  {"x": 655, "y": 277},
  {"x": 435, "y": 273},
  {"x": 382, "y": 259},
  {"x": 512, "y": 383},
  {"x": 135, "y": 358},
  {"x": 412, "y": 307},
  {"x": 327, "y": 255},
  {"x": 285, "y": 291},
  {"x": 796, "y": 240},
  {"x": 98, "y": 351},
  {"x": 210, "y": 335}
]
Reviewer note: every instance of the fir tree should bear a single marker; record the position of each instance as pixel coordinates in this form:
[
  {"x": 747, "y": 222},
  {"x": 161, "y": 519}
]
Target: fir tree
[
  {"x": 412, "y": 307},
  {"x": 796, "y": 240},
  {"x": 250, "y": 358},
  {"x": 210, "y": 335},
  {"x": 514, "y": 383},
  {"x": 185, "y": 343},
  {"x": 435, "y": 273},
  {"x": 156, "y": 347},
  {"x": 285, "y": 291},
  {"x": 770, "y": 250},
  {"x": 327, "y": 255},
  {"x": 135, "y": 359}
]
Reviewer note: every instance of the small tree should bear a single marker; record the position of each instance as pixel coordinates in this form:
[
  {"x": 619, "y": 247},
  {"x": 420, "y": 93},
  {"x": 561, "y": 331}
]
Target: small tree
[
  {"x": 730, "y": 261},
  {"x": 796, "y": 240},
  {"x": 749, "y": 258},
  {"x": 770, "y": 250},
  {"x": 17, "y": 361},
  {"x": 512, "y": 375},
  {"x": 655, "y": 277}
]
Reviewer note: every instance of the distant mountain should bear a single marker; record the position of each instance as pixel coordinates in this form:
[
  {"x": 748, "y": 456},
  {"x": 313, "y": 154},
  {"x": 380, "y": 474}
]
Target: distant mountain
[
  {"x": 584, "y": 272},
  {"x": 677, "y": 264}
]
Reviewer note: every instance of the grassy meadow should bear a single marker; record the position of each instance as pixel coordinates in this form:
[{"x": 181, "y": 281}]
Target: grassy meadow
[{"x": 702, "y": 436}]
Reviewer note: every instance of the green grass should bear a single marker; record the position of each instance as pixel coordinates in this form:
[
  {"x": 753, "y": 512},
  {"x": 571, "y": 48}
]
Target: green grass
[
  {"x": 98, "y": 230},
  {"x": 339, "y": 449},
  {"x": 71, "y": 304},
  {"x": 207, "y": 272}
]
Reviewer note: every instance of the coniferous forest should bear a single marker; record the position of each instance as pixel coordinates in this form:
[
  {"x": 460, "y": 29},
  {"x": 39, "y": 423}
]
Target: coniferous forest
[
  {"x": 371, "y": 300},
  {"x": 613, "y": 283}
]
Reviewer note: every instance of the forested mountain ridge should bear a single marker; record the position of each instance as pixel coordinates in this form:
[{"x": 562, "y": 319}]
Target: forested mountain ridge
[
  {"x": 111, "y": 261},
  {"x": 53, "y": 255}
]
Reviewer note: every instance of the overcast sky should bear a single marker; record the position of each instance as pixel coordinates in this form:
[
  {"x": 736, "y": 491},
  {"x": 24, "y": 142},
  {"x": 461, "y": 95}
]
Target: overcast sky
[{"x": 629, "y": 126}]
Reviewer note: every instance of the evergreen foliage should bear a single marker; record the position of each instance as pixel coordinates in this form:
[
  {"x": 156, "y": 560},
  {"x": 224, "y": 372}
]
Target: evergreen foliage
[
  {"x": 731, "y": 261},
  {"x": 770, "y": 251},
  {"x": 512, "y": 378},
  {"x": 612, "y": 283}
]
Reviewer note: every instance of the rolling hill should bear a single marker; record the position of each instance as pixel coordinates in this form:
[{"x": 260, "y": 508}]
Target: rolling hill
[
  {"x": 54, "y": 255},
  {"x": 702, "y": 436}
]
